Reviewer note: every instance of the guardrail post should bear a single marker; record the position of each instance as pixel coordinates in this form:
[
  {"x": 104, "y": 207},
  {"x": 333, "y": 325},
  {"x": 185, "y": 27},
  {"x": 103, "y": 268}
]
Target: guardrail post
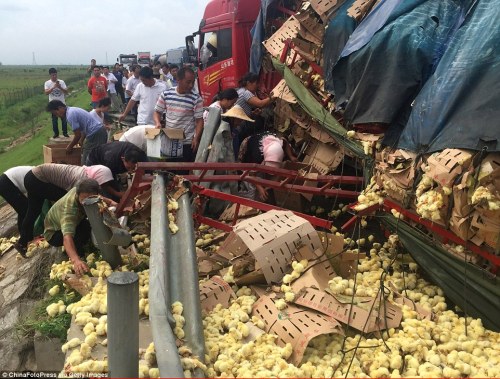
[
  {"x": 123, "y": 325},
  {"x": 101, "y": 232}
]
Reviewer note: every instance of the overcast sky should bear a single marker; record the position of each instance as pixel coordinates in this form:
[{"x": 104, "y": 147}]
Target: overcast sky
[{"x": 74, "y": 31}]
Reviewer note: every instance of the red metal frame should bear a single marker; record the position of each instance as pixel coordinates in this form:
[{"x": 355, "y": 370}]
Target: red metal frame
[
  {"x": 445, "y": 234},
  {"x": 204, "y": 174}
]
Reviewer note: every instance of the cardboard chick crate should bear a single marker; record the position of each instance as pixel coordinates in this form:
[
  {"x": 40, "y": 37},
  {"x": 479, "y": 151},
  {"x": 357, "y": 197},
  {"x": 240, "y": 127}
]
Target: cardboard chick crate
[
  {"x": 56, "y": 153},
  {"x": 294, "y": 325},
  {"x": 445, "y": 166},
  {"x": 367, "y": 315},
  {"x": 323, "y": 157},
  {"x": 215, "y": 291},
  {"x": 269, "y": 239},
  {"x": 319, "y": 270}
]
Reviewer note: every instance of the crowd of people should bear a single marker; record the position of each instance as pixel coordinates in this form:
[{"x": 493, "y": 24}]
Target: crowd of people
[{"x": 159, "y": 97}]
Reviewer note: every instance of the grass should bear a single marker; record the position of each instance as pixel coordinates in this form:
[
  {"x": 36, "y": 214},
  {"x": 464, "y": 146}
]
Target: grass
[
  {"x": 22, "y": 101},
  {"x": 18, "y": 77},
  {"x": 31, "y": 151},
  {"x": 39, "y": 320}
]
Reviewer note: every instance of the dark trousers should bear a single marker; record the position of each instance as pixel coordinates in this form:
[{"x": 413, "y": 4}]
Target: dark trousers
[
  {"x": 14, "y": 197},
  {"x": 81, "y": 237},
  {"x": 55, "y": 125},
  {"x": 38, "y": 191},
  {"x": 121, "y": 92},
  {"x": 188, "y": 155}
]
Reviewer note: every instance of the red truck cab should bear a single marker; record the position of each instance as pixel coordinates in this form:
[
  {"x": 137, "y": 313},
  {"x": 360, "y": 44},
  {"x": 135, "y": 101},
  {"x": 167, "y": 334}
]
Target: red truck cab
[{"x": 224, "y": 45}]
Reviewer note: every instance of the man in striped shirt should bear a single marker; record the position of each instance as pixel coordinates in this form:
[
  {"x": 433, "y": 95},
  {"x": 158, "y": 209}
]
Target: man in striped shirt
[{"x": 183, "y": 109}]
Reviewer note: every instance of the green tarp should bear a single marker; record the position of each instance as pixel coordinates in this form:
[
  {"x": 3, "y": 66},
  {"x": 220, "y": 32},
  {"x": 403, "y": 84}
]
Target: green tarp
[
  {"x": 475, "y": 291},
  {"x": 319, "y": 113}
]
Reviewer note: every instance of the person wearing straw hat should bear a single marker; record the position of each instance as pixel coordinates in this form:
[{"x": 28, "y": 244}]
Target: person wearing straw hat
[
  {"x": 268, "y": 149},
  {"x": 235, "y": 116}
]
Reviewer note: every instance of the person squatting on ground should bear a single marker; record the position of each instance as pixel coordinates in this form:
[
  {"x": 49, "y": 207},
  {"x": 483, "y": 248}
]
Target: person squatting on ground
[
  {"x": 89, "y": 132},
  {"x": 66, "y": 224},
  {"x": 13, "y": 191},
  {"x": 57, "y": 90},
  {"x": 51, "y": 181},
  {"x": 119, "y": 157}
]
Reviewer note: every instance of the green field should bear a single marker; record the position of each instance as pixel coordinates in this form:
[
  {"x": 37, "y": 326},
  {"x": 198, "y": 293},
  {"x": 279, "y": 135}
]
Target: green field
[{"x": 25, "y": 126}]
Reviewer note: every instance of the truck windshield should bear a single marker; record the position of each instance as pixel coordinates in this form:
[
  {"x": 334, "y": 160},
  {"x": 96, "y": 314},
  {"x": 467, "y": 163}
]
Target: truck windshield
[{"x": 216, "y": 47}]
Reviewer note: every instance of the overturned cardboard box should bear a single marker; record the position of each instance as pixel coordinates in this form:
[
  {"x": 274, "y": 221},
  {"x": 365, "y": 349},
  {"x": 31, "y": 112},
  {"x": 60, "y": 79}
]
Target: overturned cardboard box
[
  {"x": 323, "y": 157},
  {"x": 365, "y": 314},
  {"x": 445, "y": 166},
  {"x": 263, "y": 246},
  {"x": 294, "y": 325},
  {"x": 215, "y": 291},
  {"x": 395, "y": 173}
]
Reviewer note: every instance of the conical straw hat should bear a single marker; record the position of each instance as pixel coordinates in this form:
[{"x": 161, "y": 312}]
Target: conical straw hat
[{"x": 237, "y": 112}]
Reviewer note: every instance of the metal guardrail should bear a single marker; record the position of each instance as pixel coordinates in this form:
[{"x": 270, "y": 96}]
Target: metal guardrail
[{"x": 160, "y": 315}]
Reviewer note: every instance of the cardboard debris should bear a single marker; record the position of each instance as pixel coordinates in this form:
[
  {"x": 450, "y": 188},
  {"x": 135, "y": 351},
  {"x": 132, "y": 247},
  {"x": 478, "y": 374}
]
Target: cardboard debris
[
  {"x": 461, "y": 213},
  {"x": 283, "y": 92},
  {"x": 366, "y": 314},
  {"x": 276, "y": 43},
  {"x": 360, "y": 8},
  {"x": 294, "y": 325},
  {"x": 76, "y": 283},
  {"x": 269, "y": 240},
  {"x": 403, "y": 300},
  {"x": 324, "y": 7},
  {"x": 445, "y": 166},
  {"x": 215, "y": 291},
  {"x": 490, "y": 171},
  {"x": 324, "y": 158},
  {"x": 320, "y": 134},
  {"x": 306, "y": 49},
  {"x": 244, "y": 211},
  {"x": 310, "y": 29},
  {"x": 318, "y": 272},
  {"x": 343, "y": 263},
  {"x": 487, "y": 224},
  {"x": 207, "y": 265}
]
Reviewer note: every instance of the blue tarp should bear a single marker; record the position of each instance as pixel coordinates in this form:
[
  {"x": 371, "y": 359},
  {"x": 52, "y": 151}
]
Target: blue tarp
[
  {"x": 389, "y": 57},
  {"x": 340, "y": 28},
  {"x": 459, "y": 107},
  {"x": 258, "y": 35}
]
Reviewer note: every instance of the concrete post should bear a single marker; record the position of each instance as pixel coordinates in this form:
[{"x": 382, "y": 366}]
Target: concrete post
[
  {"x": 123, "y": 325},
  {"x": 101, "y": 232}
]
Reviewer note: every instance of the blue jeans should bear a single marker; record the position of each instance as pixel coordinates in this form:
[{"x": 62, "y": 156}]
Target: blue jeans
[{"x": 55, "y": 125}]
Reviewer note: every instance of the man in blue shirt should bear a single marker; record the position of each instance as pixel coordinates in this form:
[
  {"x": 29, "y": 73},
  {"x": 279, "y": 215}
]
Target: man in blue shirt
[{"x": 85, "y": 127}]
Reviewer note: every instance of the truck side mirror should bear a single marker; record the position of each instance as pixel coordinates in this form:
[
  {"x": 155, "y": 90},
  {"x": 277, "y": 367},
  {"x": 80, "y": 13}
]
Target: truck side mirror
[{"x": 191, "y": 50}]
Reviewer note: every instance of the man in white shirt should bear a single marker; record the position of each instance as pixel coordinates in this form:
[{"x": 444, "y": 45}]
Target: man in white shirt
[
  {"x": 112, "y": 80},
  {"x": 132, "y": 83},
  {"x": 137, "y": 136},
  {"x": 56, "y": 89},
  {"x": 146, "y": 93}
]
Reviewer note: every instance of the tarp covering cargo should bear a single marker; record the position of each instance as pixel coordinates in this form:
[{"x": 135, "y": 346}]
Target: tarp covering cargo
[
  {"x": 460, "y": 104},
  {"x": 389, "y": 57},
  {"x": 258, "y": 35},
  {"x": 475, "y": 291}
]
